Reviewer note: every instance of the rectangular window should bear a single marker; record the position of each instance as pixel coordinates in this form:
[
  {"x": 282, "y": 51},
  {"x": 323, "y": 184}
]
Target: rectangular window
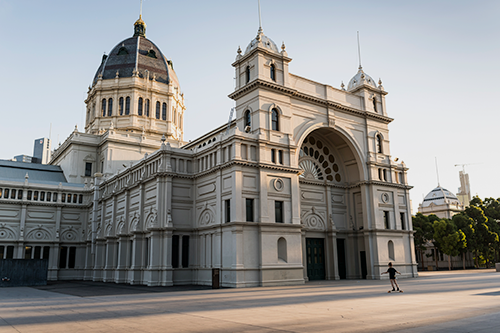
[
  {"x": 29, "y": 195},
  {"x": 69, "y": 198},
  {"x": 54, "y": 197},
  {"x": 249, "y": 210},
  {"x": 6, "y": 193},
  {"x": 63, "y": 254},
  {"x": 13, "y": 194},
  {"x": 403, "y": 221},
  {"x": 146, "y": 252},
  {"x": 386, "y": 219},
  {"x": 228, "y": 210},
  {"x": 130, "y": 253},
  {"x": 2, "y": 251},
  {"x": 35, "y": 195},
  {"x": 1, "y": 193},
  {"x": 175, "y": 251},
  {"x": 20, "y": 194},
  {"x": 46, "y": 252},
  {"x": 10, "y": 252},
  {"x": 185, "y": 251},
  {"x": 88, "y": 169},
  {"x": 75, "y": 198},
  {"x": 278, "y": 211},
  {"x": 49, "y": 194},
  {"x": 42, "y": 196},
  {"x": 63, "y": 197},
  {"x": 273, "y": 155},
  {"x": 27, "y": 252},
  {"x": 80, "y": 198},
  {"x": 280, "y": 156},
  {"x": 72, "y": 257}
]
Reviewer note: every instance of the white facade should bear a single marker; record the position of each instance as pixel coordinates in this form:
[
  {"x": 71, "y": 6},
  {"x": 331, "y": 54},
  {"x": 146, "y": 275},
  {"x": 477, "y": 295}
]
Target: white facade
[{"x": 302, "y": 185}]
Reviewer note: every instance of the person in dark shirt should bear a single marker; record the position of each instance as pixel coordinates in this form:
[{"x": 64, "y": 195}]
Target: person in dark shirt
[{"x": 392, "y": 276}]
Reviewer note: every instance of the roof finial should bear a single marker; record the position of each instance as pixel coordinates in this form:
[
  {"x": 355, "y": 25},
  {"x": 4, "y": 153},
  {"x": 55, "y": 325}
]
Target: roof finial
[
  {"x": 139, "y": 25},
  {"x": 140, "y": 12},
  {"x": 359, "y": 53},
  {"x": 437, "y": 171},
  {"x": 260, "y": 19}
]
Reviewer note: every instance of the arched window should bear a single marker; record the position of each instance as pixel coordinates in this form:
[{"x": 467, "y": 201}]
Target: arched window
[
  {"x": 139, "y": 106},
  {"x": 110, "y": 107},
  {"x": 379, "y": 143},
  {"x": 375, "y": 104},
  {"x": 275, "y": 121},
  {"x": 157, "y": 110},
  {"x": 248, "y": 118},
  {"x": 273, "y": 72},
  {"x": 390, "y": 248},
  {"x": 164, "y": 111},
  {"x": 247, "y": 74},
  {"x": 147, "y": 107},
  {"x": 120, "y": 106},
  {"x": 127, "y": 105},
  {"x": 104, "y": 107},
  {"x": 282, "y": 252}
]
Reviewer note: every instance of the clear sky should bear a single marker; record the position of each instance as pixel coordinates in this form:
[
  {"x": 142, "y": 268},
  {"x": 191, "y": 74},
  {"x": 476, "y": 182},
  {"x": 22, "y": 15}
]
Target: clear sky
[{"x": 437, "y": 59}]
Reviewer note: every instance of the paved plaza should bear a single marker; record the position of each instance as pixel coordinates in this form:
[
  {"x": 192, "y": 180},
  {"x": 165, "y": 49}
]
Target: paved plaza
[{"x": 457, "y": 301}]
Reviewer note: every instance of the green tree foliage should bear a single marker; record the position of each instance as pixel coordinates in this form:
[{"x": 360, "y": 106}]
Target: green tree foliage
[
  {"x": 451, "y": 241},
  {"x": 423, "y": 233}
]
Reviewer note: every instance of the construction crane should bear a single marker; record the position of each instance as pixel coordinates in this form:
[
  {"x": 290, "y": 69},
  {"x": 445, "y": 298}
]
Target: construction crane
[{"x": 463, "y": 165}]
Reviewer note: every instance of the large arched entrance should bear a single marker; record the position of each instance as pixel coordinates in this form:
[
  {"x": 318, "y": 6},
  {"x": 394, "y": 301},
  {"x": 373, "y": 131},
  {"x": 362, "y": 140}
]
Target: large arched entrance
[{"x": 331, "y": 206}]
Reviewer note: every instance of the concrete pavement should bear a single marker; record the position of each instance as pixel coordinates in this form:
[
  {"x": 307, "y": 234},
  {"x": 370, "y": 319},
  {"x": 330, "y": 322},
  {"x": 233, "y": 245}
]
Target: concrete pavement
[{"x": 457, "y": 301}]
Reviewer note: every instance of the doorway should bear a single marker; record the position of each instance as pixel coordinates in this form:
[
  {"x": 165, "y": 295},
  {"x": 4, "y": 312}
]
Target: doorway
[{"x": 315, "y": 248}]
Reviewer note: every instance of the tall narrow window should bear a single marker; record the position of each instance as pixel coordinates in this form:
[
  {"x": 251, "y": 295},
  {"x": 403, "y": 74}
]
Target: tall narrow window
[
  {"x": 375, "y": 104},
  {"x": 273, "y": 72},
  {"x": 175, "y": 251},
  {"x": 27, "y": 252},
  {"x": 63, "y": 254},
  {"x": 185, "y": 251},
  {"x": 20, "y": 195},
  {"x": 247, "y": 74},
  {"x": 46, "y": 252},
  {"x": 249, "y": 210},
  {"x": 282, "y": 252},
  {"x": 13, "y": 194},
  {"x": 147, "y": 107},
  {"x": 275, "y": 120},
  {"x": 379, "y": 143},
  {"x": 139, "y": 106},
  {"x": 6, "y": 193},
  {"x": 280, "y": 156},
  {"x": 72, "y": 257},
  {"x": 38, "y": 252},
  {"x": 127, "y": 105},
  {"x": 390, "y": 249},
  {"x": 248, "y": 119},
  {"x": 278, "y": 211},
  {"x": 157, "y": 110},
  {"x": 0, "y": 192},
  {"x": 164, "y": 111},
  {"x": 403, "y": 221},
  {"x": 103, "y": 107},
  {"x": 88, "y": 169},
  {"x": 228, "y": 210},
  {"x": 10, "y": 252},
  {"x": 273, "y": 155},
  {"x": 110, "y": 107},
  {"x": 386, "y": 220},
  {"x": 120, "y": 106}
]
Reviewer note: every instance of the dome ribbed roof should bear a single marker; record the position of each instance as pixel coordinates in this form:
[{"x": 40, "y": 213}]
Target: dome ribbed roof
[
  {"x": 359, "y": 79},
  {"x": 266, "y": 42},
  {"x": 440, "y": 196}
]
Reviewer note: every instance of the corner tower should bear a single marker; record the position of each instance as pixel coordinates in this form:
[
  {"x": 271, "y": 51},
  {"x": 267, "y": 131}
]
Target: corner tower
[{"x": 136, "y": 89}]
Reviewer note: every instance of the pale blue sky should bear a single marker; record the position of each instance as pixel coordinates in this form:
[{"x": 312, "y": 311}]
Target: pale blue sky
[{"x": 437, "y": 59}]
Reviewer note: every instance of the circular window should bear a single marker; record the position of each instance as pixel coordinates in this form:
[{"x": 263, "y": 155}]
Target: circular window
[
  {"x": 335, "y": 168},
  {"x": 338, "y": 178},
  {"x": 316, "y": 154},
  {"x": 319, "y": 144},
  {"x": 325, "y": 164},
  {"x": 385, "y": 197},
  {"x": 321, "y": 159},
  {"x": 328, "y": 171},
  {"x": 330, "y": 178},
  {"x": 312, "y": 140},
  {"x": 331, "y": 158},
  {"x": 279, "y": 185},
  {"x": 326, "y": 151}
]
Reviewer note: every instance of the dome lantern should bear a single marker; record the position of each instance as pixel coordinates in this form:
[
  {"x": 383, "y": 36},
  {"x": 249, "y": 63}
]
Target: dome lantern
[{"x": 140, "y": 27}]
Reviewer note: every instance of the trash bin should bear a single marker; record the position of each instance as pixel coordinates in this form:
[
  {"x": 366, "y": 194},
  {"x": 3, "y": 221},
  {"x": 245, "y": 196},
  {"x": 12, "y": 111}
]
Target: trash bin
[{"x": 215, "y": 278}]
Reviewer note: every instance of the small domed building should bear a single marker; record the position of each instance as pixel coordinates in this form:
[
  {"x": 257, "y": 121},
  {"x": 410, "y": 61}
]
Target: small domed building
[
  {"x": 441, "y": 203},
  {"x": 300, "y": 186}
]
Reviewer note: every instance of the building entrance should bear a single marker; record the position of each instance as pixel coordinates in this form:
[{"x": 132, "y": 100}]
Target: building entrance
[{"x": 315, "y": 248}]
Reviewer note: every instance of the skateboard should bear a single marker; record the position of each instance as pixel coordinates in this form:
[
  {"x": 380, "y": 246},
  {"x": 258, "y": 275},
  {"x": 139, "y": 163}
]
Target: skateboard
[{"x": 395, "y": 291}]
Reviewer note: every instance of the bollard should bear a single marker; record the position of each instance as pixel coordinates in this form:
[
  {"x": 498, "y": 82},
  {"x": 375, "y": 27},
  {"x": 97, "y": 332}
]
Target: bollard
[{"x": 215, "y": 278}]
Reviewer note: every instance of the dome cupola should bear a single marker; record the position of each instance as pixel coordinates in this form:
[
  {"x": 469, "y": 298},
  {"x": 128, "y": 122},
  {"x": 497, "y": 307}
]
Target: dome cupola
[
  {"x": 140, "y": 27},
  {"x": 440, "y": 196},
  {"x": 360, "y": 79},
  {"x": 262, "y": 40}
]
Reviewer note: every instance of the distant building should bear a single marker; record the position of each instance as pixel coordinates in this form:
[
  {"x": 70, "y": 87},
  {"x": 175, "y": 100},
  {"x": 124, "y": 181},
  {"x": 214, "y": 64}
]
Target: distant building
[
  {"x": 41, "y": 151},
  {"x": 441, "y": 203},
  {"x": 464, "y": 190},
  {"x": 23, "y": 158}
]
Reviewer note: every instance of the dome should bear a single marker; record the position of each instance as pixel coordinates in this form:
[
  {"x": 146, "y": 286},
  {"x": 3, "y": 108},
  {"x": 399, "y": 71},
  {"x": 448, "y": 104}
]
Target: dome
[
  {"x": 136, "y": 53},
  {"x": 440, "y": 196},
  {"x": 266, "y": 42},
  {"x": 359, "y": 79}
]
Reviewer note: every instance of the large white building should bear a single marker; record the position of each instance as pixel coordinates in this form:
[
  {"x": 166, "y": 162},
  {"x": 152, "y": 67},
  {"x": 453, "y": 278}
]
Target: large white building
[{"x": 300, "y": 186}]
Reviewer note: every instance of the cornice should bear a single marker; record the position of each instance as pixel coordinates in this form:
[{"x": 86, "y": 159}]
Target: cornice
[{"x": 259, "y": 83}]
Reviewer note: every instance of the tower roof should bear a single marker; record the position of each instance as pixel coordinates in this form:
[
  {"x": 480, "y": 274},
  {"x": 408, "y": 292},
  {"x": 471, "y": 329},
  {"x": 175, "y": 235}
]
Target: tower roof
[
  {"x": 136, "y": 55},
  {"x": 440, "y": 196},
  {"x": 361, "y": 78},
  {"x": 262, "y": 41}
]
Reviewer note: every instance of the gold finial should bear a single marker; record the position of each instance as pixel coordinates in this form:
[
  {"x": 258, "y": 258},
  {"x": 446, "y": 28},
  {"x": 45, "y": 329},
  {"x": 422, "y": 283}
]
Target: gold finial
[{"x": 283, "y": 47}]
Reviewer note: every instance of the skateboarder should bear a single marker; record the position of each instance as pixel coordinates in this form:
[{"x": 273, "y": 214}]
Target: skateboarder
[{"x": 392, "y": 276}]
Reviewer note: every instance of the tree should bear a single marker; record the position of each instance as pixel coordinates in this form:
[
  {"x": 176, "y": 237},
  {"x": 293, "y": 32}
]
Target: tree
[
  {"x": 423, "y": 233},
  {"x": 465, "y": 224},
  {"x": 451, "y": 241}
]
